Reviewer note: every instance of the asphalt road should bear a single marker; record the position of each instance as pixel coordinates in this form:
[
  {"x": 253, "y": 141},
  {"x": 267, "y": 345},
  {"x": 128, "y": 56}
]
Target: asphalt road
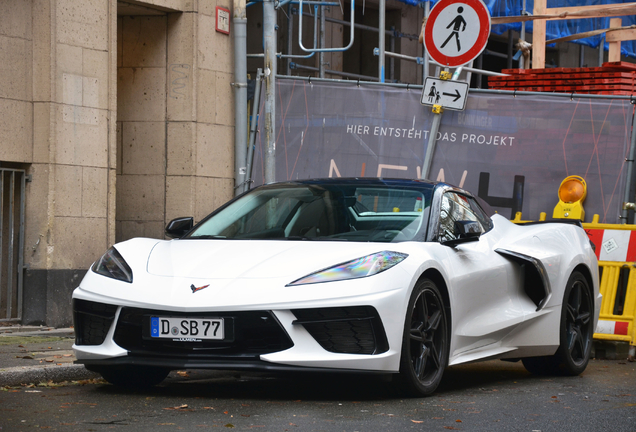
[{"x": 490, "y": 396}]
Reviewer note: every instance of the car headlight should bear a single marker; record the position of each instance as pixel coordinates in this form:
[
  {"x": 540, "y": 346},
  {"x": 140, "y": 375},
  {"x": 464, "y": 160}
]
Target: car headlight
[
  {"x": 358, "y": 268},
  {"x": 112, "y": 265}
]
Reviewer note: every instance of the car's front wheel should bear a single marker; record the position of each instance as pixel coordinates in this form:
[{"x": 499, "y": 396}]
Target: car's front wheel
[
  {"x": 575, "y": 332},
  {"x": 133, "y": 377},
  {"x": 425, "y": 342}
]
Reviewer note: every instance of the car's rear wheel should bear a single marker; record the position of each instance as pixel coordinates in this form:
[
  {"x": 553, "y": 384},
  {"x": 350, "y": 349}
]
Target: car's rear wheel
[
  {"x": 133, "y": 377},
  {"x": 577, "y": 326},
  {"x": 576, "y": 332},
  {"x": 425, "y": 341}
]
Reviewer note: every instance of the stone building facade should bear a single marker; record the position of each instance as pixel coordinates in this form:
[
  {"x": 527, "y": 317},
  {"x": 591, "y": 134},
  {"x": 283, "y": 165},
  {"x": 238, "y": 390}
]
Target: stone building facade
[{"x": 120, "y": 115}]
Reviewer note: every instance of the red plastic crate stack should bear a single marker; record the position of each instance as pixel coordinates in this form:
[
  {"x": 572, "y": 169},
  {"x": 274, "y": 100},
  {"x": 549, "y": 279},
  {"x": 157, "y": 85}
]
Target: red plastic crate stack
[{"x": 616, "y": 78}]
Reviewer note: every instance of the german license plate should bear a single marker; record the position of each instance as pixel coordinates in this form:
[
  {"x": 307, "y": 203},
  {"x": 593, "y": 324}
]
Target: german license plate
[{"x": 190, "y": 328}]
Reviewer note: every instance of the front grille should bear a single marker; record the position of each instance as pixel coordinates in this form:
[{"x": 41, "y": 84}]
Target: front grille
[
  {"x": 349, "y": 330},
  {"x": 92, "y": 321},
  {"x": 248, "y": 335}
]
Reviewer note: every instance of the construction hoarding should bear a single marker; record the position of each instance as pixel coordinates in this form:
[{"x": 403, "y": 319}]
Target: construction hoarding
[{"x": 512, "y": 151}]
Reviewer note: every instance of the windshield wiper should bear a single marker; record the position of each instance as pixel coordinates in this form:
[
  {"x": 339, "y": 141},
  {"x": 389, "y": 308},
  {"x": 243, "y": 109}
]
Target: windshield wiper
[
  {"x": 207, "y": 237},
  {"x": 314, "y": 238}
]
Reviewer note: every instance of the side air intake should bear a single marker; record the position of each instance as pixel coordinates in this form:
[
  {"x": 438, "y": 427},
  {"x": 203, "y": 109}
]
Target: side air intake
[{"x": 535, "y": 278}]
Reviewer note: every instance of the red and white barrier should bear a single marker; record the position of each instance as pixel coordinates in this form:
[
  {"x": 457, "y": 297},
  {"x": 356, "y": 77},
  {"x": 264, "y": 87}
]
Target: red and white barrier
[
  {"x": 614, "y": 245},
  {"x": 612, "y": 327}
]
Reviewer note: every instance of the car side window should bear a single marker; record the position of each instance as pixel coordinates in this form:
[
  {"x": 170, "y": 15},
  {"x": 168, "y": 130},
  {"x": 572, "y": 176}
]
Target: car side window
[
  {"x": 456, "y": 207},
  {"x": 481, "y": 215}
]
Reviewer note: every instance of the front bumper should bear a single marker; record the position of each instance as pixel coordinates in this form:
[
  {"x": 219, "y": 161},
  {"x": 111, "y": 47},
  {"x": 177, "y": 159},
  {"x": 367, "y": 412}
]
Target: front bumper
[{"x": 347, "y": 338}]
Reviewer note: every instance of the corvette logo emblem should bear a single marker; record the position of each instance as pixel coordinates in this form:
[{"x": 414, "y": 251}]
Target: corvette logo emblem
[{"x": 195, "y": 289}]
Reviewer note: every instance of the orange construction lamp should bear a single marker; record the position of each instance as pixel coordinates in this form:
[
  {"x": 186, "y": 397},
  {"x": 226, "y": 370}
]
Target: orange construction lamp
[{"x": 572, "y": 193}]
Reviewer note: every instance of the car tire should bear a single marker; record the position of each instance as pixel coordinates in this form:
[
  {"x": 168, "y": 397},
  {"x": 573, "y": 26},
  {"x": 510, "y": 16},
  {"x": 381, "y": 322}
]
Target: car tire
[
  {"x": 425, "y": 341},
  {"x": 577, "y": 326},
  {"x": 575, "y": 332},
  {"x": 133, "y": 377},
  {"x": 540, "y": 366}
]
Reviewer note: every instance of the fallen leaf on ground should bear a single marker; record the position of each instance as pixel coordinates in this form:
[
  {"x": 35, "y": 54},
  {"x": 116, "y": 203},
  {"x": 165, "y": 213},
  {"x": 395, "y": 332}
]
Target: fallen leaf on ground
[{"x": 180, "y": 407}]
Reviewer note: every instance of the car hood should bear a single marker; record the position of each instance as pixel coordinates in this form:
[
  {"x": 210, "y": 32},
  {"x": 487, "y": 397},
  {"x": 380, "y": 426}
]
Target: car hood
[{"x": 231, "y": 259}]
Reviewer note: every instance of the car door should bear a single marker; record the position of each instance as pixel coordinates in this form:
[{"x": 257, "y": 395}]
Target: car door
[{"x": 483, "y": 284}]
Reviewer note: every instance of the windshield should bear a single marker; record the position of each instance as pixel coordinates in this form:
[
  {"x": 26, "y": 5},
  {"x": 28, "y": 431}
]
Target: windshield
[{"x": 346, "y": 212}]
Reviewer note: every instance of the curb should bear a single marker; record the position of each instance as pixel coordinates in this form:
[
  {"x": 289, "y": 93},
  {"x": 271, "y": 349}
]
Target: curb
[{"x": 33, "y": 374}]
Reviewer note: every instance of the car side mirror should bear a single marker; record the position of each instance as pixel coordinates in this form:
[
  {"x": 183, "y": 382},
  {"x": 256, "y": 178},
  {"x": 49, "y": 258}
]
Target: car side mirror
[
  {"x": 465, "y": 231},
  {"x": 179, "y": 227}
]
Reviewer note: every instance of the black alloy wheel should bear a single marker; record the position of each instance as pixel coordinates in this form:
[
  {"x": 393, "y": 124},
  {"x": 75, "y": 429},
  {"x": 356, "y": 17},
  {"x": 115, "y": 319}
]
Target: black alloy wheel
[
  {"x": 426, "y": 341},
  {"x": 575, "y": 333},
  {"x": 576, "y": 326}
]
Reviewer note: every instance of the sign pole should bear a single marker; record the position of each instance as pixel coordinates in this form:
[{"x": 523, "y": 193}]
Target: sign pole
[
  {"x": 456, "y": 32},
  {"x": 437, "y": 120},
  {"x": 430, "y": 148}
]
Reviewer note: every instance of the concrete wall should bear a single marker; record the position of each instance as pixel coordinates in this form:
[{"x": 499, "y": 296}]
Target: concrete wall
[
  {"x": 175, "y": 119},
  {"x": 69, "y": 210}
]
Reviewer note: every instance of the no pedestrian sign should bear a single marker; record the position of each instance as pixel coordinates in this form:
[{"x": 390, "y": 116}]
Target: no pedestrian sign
[{"x": 457, "y": 31}]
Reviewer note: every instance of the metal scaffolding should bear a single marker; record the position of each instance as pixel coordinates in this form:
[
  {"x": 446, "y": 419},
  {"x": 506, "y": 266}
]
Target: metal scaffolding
[{"x": 317, "y": 11}]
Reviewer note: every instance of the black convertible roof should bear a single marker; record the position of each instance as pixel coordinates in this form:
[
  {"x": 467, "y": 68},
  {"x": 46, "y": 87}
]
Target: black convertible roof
[{"x": 371, "y": 181}]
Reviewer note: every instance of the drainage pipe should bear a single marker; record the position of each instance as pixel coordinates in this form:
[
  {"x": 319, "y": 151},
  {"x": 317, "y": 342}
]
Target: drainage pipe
[{"x": 240, "y": 95}]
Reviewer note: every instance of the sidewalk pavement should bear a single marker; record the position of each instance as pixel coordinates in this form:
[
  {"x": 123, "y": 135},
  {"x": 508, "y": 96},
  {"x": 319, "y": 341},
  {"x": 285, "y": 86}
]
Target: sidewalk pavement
[{"x": 33, "y": 354}]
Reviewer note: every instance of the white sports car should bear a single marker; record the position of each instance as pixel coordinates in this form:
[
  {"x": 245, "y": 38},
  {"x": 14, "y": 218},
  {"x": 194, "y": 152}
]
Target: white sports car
[{"x": 368, "y": 275}]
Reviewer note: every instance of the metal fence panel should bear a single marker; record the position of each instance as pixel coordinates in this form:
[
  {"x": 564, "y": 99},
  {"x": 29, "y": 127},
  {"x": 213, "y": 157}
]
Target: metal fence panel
[{"x": 513, "y": 150}]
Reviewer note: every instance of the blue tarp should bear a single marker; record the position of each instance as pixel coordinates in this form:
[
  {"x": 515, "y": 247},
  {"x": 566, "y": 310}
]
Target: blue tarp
[{"x": 556, "y": 28}]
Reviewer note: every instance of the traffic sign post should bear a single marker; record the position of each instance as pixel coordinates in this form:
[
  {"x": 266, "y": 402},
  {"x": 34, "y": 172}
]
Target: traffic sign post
[
  {"x": 457, "y": 31},
  {"x": 451, "y": 95}
]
